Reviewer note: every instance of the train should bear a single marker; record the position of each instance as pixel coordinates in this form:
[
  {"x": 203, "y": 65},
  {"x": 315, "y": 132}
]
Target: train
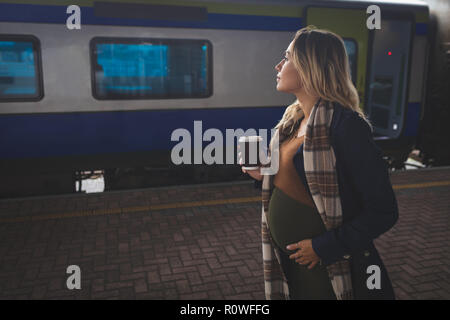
[{"x": 107, "y": 94}]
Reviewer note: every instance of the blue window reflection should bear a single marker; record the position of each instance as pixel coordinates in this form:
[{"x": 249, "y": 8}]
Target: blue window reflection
[
  {"x": 18, "y": 70},
  {"x": 149, "y": 68},
  {"x": 350, "y": 47}
]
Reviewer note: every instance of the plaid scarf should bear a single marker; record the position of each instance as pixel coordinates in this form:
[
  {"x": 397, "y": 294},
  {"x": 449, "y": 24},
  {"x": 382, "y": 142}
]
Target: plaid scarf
[{"x": 319, "y": 163}]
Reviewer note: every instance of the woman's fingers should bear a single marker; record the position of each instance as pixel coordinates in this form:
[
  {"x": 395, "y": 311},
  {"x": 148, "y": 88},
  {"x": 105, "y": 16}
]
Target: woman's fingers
[
  {"x": 240, "y": 163},
  {"x": 305, "y": 261},
  {"x": 296, "y": 255},
  {"x": 302, "y": 260}
]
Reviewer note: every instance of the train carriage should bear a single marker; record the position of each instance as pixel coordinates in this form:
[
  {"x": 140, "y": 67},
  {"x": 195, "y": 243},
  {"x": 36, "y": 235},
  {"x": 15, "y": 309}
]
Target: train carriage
[{"x": 110, "y": 94}]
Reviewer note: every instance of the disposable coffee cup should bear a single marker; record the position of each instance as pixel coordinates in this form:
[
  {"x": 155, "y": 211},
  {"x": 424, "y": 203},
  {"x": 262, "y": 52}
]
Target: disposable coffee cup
[{"x": 250, "y": 146}]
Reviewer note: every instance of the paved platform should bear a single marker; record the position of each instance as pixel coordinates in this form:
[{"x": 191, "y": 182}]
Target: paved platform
[{"x": 196, "y": 242}]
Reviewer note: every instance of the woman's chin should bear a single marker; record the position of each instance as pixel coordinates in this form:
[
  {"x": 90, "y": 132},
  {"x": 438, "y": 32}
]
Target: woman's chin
[{"x": 279, "y": 88}]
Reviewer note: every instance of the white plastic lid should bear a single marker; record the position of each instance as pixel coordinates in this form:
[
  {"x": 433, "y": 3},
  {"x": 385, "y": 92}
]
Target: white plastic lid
[{"x": 250, "y": 139}]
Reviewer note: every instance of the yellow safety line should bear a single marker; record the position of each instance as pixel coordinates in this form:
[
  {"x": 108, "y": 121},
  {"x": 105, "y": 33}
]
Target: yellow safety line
[
  {"x": 96, "y": 212},
  {"x": 190, "y": 204},
  {"x": 421, "y": 185}
]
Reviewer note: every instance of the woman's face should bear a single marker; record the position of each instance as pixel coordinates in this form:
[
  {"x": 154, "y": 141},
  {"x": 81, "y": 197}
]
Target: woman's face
[{"x": 288, "y": 79}]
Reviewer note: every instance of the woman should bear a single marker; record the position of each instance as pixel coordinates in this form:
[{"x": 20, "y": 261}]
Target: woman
[{"x": 331, "y": 195}]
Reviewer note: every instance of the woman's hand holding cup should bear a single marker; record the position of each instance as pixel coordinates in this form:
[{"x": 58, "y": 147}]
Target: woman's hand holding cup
[{"x": 255, "y": 174}]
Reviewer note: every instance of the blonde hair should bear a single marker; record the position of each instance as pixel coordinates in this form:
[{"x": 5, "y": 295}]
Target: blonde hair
[{"x": 322, "y": 64}]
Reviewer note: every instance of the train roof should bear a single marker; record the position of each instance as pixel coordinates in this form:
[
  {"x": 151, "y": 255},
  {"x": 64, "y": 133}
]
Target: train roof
[
  {"x": 362, "y": 3},
  {"x": 205, "y": 13}
]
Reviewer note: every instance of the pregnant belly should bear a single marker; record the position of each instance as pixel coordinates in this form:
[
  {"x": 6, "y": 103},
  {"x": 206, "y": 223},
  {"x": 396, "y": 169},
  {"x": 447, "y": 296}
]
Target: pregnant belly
[{"x": 291, "y": 221}]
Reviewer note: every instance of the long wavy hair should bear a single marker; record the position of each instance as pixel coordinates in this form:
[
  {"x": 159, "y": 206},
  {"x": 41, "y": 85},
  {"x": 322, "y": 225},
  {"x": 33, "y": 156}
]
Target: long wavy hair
[{"x": 322, "y": 63}]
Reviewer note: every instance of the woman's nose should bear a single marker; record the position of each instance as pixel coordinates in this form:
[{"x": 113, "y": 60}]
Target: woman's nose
[{"x": 277, "y": 67}]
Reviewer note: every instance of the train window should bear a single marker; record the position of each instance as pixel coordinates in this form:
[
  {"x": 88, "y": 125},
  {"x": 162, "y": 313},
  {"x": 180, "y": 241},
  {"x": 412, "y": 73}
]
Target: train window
[
  {"x": 20, "y": 68},
  {"x": 124, "y": 68},
  {"x": 382, "y": 88},
  {"x": 351, "y": 48}
]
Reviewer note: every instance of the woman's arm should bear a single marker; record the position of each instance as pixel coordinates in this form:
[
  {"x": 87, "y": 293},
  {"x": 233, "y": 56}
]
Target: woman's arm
[{"x": 367, "y": 171}]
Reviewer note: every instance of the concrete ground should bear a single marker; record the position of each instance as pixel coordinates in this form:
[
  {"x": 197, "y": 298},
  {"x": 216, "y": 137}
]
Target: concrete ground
[{"x": 196, "y": 242}]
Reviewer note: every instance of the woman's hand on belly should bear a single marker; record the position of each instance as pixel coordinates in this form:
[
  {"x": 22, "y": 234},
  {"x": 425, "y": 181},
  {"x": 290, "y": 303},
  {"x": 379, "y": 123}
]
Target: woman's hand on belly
[{"x": 305, "y": 254}]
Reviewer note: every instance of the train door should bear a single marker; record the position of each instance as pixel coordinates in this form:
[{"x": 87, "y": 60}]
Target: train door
[
  {"x": 382, "y": 62},
  {"x": 346, "y": 23},
  {"x": 388, "y": 74}
]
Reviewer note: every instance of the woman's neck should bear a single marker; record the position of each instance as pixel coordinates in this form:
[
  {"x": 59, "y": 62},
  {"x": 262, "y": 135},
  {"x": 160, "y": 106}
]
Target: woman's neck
[{"x": 306, "y": 104}]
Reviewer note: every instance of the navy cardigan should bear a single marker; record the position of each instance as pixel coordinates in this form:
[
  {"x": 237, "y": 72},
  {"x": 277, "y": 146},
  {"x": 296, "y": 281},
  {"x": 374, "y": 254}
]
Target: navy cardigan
[{"x": 369, "y": 206}]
